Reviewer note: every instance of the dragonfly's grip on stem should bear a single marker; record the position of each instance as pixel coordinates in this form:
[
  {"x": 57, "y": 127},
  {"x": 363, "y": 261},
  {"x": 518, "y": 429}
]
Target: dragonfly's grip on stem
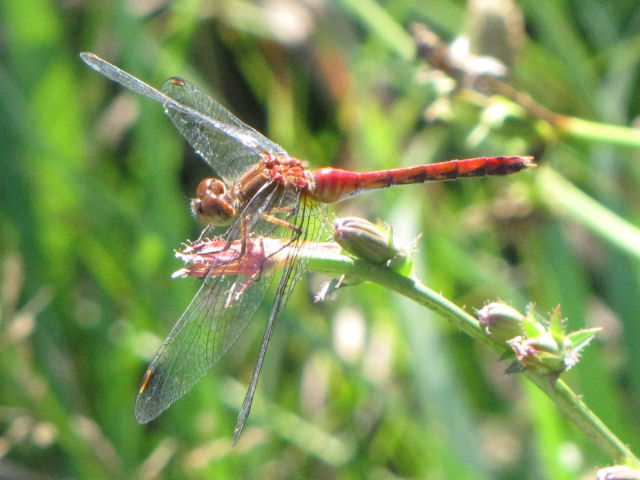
[{"x": 333, "y": 184}]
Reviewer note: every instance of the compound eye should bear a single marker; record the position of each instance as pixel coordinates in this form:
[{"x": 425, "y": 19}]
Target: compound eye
[
  {"x": 211, "y": 203},
  {"x": 211, "y": 186}
]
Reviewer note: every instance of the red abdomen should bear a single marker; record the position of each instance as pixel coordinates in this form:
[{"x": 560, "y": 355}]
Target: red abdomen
[{"x": 334, "y": 184}]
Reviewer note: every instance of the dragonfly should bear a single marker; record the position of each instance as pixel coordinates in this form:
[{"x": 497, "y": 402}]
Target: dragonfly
[{"x": 270, "y": 205}]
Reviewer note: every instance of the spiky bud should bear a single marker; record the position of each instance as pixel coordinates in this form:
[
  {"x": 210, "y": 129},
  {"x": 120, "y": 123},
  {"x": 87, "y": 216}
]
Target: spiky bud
[{"x": 545, "y": 347}]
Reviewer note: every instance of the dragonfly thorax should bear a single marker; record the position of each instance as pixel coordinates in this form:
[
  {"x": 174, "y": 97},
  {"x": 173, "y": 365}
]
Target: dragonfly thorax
[
  {"x": 212, "y": 203},
  {"x": 216, "y": 203}
]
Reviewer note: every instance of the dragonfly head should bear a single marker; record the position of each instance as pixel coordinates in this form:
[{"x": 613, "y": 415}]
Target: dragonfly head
[{"x": 212, "y": 204}]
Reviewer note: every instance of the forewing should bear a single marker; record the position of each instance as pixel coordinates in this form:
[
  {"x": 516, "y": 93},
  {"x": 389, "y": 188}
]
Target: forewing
[
  {"x": 227, "y": 144},
  {"x": 124, "y": 78}
]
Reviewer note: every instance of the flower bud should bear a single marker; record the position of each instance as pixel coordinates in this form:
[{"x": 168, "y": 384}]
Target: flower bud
[
  {"x": 368, "y": 241},
  {"x": 539, "y": 354},
  {"x": 546, "y": 348},
  {"x": 500, "y": 321}
]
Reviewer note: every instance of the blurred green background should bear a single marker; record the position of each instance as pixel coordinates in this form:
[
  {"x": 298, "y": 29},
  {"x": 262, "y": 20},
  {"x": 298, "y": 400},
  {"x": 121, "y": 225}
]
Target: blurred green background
[{"x": 95, "y": 186}]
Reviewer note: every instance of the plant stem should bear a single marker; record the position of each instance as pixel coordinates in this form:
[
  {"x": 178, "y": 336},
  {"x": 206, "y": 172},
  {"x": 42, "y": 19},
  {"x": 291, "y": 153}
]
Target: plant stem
[
  {"x": 561, "y": 196},
  {"x": 411, "y": 287},
  {"x": 598, "y": 132}
]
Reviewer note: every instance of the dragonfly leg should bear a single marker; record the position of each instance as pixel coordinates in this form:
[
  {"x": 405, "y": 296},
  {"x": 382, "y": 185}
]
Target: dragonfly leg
[
  {"x": 201, "y": 237},
  {"x": 280, "y": 222},
  {"x": 258, "y": 273},
  {"x": 244, "y": 234},
  {"x": 237, "y": 289}
]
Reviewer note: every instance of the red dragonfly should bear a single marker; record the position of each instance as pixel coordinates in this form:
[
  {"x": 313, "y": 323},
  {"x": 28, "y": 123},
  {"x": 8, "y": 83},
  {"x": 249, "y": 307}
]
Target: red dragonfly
[{"x": 261, "y": 194}]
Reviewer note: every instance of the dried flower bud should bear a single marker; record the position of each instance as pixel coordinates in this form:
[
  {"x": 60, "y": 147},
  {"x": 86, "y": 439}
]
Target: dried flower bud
[{"x": 220, "y": 258}]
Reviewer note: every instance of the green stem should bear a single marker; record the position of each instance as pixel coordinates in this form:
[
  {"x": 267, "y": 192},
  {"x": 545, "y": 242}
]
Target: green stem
[
  {"x": 562, "y": 197},
  {"x": 560, "y": 393},
  {"x": 598, "y": 132}
]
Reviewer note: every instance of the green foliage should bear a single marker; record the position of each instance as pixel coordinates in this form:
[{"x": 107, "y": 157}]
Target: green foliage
[{"x": 95, "y": 186}]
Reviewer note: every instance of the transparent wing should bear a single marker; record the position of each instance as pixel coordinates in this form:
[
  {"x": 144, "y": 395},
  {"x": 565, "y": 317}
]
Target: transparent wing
[
  {"x": 310, "y": 227},
  {"x": 208, "y": 126},
  {"x": 224, "y": 152},
  {"x": 222, "y": 307},
  {"x": 205, "y": 331},
  {"x": 202, "y": 335}
]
